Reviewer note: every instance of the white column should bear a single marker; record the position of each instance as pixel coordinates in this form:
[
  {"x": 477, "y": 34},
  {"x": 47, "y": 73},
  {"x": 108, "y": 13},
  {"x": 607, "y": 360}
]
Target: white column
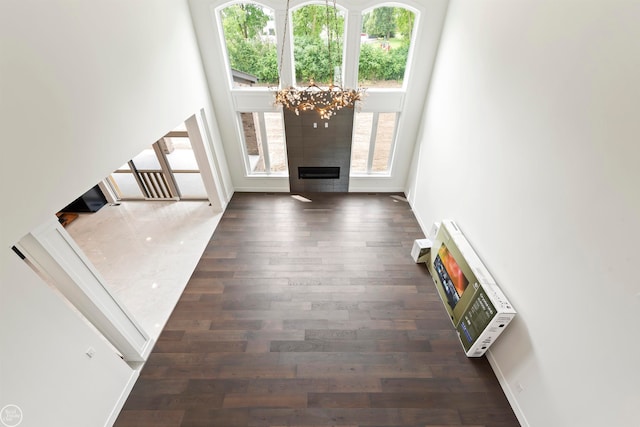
[
  {"x": 107, "y": 191},
  {"x": 351, "y": 60},
  {"x": 206, "y": 160},
  {"x": 56, "y": 255},
  {"x": 284, "y": 56}
]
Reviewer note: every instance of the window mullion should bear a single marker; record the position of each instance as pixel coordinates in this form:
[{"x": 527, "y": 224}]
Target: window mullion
[
  {"x": 287, "y": 73},
  {"x": 265, "y": 143},
  {"x": 372, "y": 141},
  {"x": 351, "y": 51},
  {"x": 393, "y": 142}
]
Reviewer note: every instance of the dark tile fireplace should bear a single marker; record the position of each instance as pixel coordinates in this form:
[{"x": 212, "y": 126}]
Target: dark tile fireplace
[{"x": 319, "y": 151}]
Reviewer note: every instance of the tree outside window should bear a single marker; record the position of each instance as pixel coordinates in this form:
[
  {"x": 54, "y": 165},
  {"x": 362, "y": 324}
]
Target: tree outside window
[
  {"x": 384, "y": 47},
  {"x": 317, "y": 41},
  {"x": 250, "y": 41}
]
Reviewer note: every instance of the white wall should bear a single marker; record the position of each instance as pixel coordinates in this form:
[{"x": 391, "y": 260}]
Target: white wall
[
  {"x": 84, "y": 86},
  {"x": 530, "y": 143},
  {"x": 44, "y": 369}
]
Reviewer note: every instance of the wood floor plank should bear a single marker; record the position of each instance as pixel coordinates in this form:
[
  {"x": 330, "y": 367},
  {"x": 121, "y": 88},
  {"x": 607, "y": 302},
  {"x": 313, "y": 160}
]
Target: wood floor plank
[
  {"x": 150, "y": 418},
  {"x": 313, "y": 314},
  {"x": 265, "y": 400}
]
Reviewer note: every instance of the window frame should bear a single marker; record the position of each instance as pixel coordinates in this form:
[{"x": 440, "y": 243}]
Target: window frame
[
  {"x": 377, "y": 100},
  {"x": 408, "y": 65}
]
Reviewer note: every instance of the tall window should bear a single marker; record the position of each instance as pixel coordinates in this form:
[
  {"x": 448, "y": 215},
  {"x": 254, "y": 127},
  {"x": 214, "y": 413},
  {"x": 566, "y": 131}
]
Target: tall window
[
  {"x": 317, "y": 47},
  {"x": 316, "y": 41},
  {"x": 250, "y": 39},
  {"x": 384, "y": 46},
  {"x": 372, "y": 146},
  {"x": 264, "y": 143}
]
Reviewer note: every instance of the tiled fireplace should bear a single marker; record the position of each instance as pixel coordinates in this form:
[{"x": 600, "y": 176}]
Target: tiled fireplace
[{"x": 319, "y": 151}]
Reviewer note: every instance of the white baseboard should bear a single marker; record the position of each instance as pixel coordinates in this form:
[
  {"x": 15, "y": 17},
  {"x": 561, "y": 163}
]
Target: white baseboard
[
  {"x": 261, "y": 190},
  {"x": 511, "y": 397}
]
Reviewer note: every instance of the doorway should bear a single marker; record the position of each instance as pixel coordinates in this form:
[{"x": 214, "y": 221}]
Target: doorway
[
  {"x": 168, "y": 170},
  {"x": 142, "y": 243}
]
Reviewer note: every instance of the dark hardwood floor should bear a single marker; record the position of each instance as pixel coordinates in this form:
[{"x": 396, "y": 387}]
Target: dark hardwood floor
[{"x": 313, "y": 314}]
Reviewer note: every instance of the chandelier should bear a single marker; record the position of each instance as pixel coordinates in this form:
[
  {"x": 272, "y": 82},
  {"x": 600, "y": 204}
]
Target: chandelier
[{"x": 326, "y": 101}]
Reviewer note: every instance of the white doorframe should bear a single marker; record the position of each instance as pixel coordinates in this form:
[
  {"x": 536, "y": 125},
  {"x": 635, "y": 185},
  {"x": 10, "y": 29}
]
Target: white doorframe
[
  {"x": 206, "y": 163},
  {"x": 56, "y": 255},
  {"x": 107, "y": 191}
]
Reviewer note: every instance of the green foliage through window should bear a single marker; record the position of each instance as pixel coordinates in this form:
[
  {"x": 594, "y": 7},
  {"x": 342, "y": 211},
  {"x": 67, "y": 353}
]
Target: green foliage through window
[
  {"x": 316, "y": 32},
  {"x": 380, "y": 64},
  {"x": 381, "y": 22},
  {"x": 385, "y": 50},
  {"x": 252, "y": 46},
  {"x": 312, "y": 59},
  {"x": 249, "y": 46}
]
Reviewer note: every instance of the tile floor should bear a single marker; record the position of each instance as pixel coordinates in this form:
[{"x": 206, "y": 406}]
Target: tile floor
[{"x": 146, "y": 252}]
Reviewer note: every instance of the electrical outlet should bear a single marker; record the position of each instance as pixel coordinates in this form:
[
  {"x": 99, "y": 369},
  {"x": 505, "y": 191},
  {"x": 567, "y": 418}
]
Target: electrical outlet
[{"x": 90, "y": 352}]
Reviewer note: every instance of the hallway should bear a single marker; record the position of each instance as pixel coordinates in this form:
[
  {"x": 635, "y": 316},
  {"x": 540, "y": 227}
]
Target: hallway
[{"x": 313, "y": 314}]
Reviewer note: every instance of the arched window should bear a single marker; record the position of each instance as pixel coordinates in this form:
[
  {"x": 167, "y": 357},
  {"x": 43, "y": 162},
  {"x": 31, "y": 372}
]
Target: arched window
[
  {"x": 250, "y": 40},
  {"x": 318, "y": 44},
  {"x": 385, "y": 41},
  {"x": 322, "y": 39}
]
